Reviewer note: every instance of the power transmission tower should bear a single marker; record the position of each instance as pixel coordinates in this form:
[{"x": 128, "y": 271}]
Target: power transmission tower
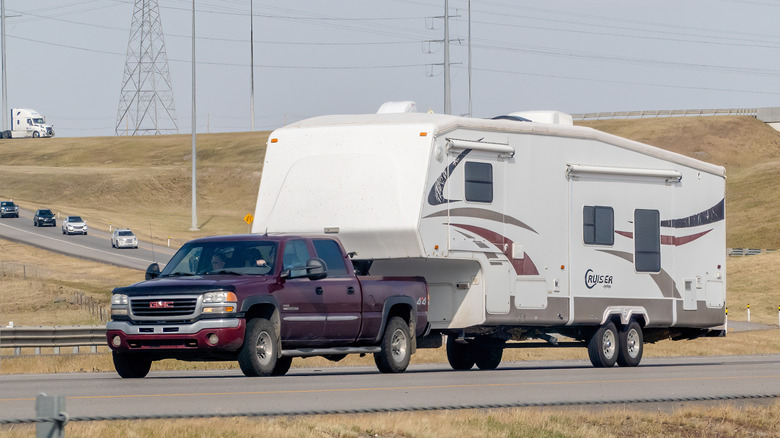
[{"x": 146, "y": 101}]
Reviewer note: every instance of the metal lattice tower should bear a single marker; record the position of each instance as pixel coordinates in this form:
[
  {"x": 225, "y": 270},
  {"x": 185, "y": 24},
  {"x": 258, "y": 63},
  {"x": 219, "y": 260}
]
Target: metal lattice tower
[{"x": 146, "y": 102}]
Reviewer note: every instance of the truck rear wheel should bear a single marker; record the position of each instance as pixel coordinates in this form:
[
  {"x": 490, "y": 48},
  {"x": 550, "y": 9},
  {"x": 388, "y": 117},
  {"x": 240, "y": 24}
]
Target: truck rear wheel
[
  {"x": 131, "y": 366},
  {"x": 460, "y": 356},
  {"x": 631, "y": 345},
  {"x": 603, "y": 346},
  {"x": 396, "y": 347},
  {"x": 258, "y": 356}
]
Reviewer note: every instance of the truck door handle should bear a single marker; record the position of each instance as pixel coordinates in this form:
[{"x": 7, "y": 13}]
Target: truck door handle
[
  {"x": 318, "y": 290},
  {"x": 350, "y": 290}
]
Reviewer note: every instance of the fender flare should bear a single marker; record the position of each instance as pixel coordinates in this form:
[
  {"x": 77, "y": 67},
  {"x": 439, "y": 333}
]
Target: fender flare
[{"x": 391, "y": 302}]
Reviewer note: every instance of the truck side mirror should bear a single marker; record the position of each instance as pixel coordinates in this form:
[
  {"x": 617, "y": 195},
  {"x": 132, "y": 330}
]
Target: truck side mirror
[
  {"x": 153, "y": 271},
  {"x": 316, "y": 269}
]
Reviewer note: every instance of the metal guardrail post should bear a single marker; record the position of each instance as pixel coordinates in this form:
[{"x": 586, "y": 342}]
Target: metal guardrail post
[{"x": 50, "y": 411}]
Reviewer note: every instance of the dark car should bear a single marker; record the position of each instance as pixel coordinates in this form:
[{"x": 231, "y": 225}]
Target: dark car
[
  {"x": 44, "y": 217},
  {"x": 9, "y": 209}
]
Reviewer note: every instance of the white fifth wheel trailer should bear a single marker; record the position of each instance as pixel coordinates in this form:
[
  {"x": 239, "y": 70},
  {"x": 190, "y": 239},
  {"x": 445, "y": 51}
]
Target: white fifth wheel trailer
[{"x": 522, "y": 230}]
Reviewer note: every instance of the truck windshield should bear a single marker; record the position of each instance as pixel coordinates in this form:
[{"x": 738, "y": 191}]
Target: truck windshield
[
  {"x": 227, "y": 257},
  {"x": 39, "y": 121}
]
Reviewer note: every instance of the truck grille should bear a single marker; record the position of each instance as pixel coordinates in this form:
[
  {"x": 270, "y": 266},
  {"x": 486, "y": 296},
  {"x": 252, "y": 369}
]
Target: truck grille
[{"x": 163, "y": 307}]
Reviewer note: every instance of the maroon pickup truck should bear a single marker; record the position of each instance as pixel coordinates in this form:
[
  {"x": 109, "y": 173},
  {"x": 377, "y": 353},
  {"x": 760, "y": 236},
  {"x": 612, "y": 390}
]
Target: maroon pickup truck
[{"x": 262, "y": 300}]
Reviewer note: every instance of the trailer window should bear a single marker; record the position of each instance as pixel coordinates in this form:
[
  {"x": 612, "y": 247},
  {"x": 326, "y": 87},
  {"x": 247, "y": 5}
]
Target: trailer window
[
  {"x": 479, "y": 182},
  {"x": 329, "y": 251},
  {"x": 598, "y": 225},
  {"x": 647, "y": 241}
]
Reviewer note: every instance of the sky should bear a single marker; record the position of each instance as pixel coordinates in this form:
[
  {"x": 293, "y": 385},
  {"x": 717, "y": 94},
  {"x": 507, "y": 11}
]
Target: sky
[{"x": 312, "y": 57}]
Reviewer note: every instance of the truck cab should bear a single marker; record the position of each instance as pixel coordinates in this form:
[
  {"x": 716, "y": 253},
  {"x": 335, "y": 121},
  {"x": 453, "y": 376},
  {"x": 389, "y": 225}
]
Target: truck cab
[{"x": 26, "y": 123}]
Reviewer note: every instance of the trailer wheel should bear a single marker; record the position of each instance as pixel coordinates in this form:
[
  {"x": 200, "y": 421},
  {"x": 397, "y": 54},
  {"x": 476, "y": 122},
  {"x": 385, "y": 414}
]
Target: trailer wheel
[
  {"x": 603, "y": 346},
  {"x": 396, "y": 347},
  {"x": 258, "y": 356},
  {"x": 631, "y": 345},
  {"x": 131, "y": 366},
  {"x": 460, "y": 356},
  {"x": 489, "y": 358}
]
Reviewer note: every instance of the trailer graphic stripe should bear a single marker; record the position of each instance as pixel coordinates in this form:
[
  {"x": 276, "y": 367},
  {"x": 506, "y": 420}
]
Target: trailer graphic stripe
[
  {"x": 481, "y": 213},
  {"x": 524, "y": 266},
  {"x": 436, "y": 195},
  {"x": 663, "y": 280},
  {"x": 708, "y": 216},
  {"x": 669, "y": 240}
]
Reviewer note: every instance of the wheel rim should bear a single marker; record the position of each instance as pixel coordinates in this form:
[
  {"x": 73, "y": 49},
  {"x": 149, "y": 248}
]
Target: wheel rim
[
  {"x": 398, "y": 345},
  {"x": 632, "y": 343},
  {"x": 608, "y": 344},
  {"x": 264, "y": 348}
]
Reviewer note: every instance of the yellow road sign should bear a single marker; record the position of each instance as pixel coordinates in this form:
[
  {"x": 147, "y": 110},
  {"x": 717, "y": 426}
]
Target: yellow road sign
[{"x": 249, "y": 218}]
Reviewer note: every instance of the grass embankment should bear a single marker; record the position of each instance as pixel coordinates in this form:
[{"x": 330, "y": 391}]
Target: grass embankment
[
  {"x": 143, "y": 183},
  {"x": 717, "y": 421}
]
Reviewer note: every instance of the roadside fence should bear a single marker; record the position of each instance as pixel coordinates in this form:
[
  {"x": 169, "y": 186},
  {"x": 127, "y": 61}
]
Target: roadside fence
[
  {"x": 668, "y": 113},
  {"x": 96, "y": 309},
  {"x": 51, "y": 417}
]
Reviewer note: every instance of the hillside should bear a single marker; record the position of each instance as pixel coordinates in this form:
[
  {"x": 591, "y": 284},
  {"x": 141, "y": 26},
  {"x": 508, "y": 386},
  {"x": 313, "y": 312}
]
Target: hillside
[
  {"x": 144, "y": 182},
  {"x": 747, "y": 148}
]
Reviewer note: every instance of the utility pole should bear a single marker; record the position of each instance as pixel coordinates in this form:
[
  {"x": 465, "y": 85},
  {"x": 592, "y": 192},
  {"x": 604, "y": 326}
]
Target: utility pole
[
  {"x": 5, "y": 80},
  {"x": 194, "y": 129},
  {"x": 447, "y": 102},
  {"x": 471, "y": 114},
  {"x": 252, "y": 62}
]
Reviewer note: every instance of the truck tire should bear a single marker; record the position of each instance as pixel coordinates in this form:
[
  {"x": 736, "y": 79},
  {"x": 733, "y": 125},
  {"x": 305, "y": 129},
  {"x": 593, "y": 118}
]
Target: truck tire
[
  {"x": 282, "y": 366},
  {"x": 35, "y": 134},
  {"x": 131, "y": 366},
  {"x": 631, "y": 345},
  {"x": 396, "y": 347},
  {"x": 258, "y": 356},
  {"x": 489, "y": 358},
  {"x": 603, "y": 346},
  {"x": 461, "y": 357}
]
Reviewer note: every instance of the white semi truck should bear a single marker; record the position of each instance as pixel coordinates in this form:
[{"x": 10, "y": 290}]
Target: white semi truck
[
  {"x": 524, "y": 226},
  {"x": 26, "y": 123}
]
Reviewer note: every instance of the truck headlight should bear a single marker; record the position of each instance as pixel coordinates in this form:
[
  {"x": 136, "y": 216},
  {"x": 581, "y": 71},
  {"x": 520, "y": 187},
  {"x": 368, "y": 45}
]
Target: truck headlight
[
  {"x": 118, "y": 299},
  {"x": 219, "y": 297}
]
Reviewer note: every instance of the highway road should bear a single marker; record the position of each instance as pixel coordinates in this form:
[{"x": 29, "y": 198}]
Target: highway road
[
  {"x": 96, "y": 245},
  {"x": 344, "y": 388}
]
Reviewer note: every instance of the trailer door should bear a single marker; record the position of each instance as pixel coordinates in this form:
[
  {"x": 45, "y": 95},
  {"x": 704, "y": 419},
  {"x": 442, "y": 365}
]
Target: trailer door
[{"x": 476, "y": 201}]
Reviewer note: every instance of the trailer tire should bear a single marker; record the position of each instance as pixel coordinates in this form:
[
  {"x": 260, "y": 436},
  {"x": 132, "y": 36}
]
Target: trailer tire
[
  {"x": 396, "y": 347},
  {"x": 131, "y": 366},
  {"x": 258, "y": 356},
  {"x": 489, "y": 358},
  {"x": 461, "y": 357},
  {"x": 631, "y": 345},
  {"x": 603, "y": 346}
]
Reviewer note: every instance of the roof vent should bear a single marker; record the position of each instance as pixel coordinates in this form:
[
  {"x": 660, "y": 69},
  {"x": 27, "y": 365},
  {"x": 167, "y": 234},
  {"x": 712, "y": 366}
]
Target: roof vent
[
  {"x": 551, "y": 117},
  {"x": 405, "y": 106}
]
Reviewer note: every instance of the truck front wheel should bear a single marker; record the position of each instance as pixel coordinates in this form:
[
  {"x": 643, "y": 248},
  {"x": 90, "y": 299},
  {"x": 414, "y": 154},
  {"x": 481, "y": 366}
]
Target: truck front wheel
[
  {"x": 131, "y": 366},
  {"x": 396, "y": 347},
  {"x": 258, "y": 356},
  {"x": 35, "y": 134}
]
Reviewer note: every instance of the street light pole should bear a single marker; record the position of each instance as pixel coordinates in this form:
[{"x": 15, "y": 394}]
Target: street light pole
[
  {"x": 194, "y": 129},
  {"x": 5, "y": 81}
]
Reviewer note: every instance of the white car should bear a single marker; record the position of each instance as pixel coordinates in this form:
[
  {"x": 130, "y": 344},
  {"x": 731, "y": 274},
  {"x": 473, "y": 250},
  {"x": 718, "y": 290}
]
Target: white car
[
  {"x": 123, "y": 238},
  {"x": 74, "y": 225}
]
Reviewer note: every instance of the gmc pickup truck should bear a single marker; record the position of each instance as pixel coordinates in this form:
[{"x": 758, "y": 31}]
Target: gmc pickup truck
[{"x": 262, "y": 300}]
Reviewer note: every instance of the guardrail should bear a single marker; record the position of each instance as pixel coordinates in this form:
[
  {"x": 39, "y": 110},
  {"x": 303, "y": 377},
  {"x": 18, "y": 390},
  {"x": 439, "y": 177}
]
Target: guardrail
[
  {"x": 55, "y": 337},
  {"x": 667, "y": 113},
  {"x": 747, "y": 251}
]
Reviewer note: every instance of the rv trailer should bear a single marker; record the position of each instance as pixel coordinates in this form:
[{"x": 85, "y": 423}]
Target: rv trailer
[{"x": 522, "y": 230}]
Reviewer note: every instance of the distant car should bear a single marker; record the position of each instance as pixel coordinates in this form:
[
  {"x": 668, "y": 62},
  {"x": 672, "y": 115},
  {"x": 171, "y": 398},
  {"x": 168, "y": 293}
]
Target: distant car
[
  {"x": 43, "y": 217},
  {"x": 123, "y": 238},
  {"x": 74, "y": 225},
  {"x": 9, "y": 209}
]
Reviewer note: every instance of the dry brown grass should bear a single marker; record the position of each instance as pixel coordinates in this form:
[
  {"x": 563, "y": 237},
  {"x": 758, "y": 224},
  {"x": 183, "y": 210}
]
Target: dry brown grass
[
  {"x": 722, "y": 420},
  {"x": 747, "y": 148}
]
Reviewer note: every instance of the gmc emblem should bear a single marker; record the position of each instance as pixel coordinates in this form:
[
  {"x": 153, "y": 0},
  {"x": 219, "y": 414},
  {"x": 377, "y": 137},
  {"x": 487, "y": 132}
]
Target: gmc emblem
[{"x": 161, "y": 304}]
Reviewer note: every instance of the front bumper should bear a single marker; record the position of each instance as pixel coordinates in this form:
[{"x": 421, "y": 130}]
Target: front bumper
[
  {"x": 76, "y": 230},
  {"x": 46, "y": 221},
  {"x": 171, "y": 339},
  {"x": 126, "y": 243},
  {"x": 6, "y": 213}
]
